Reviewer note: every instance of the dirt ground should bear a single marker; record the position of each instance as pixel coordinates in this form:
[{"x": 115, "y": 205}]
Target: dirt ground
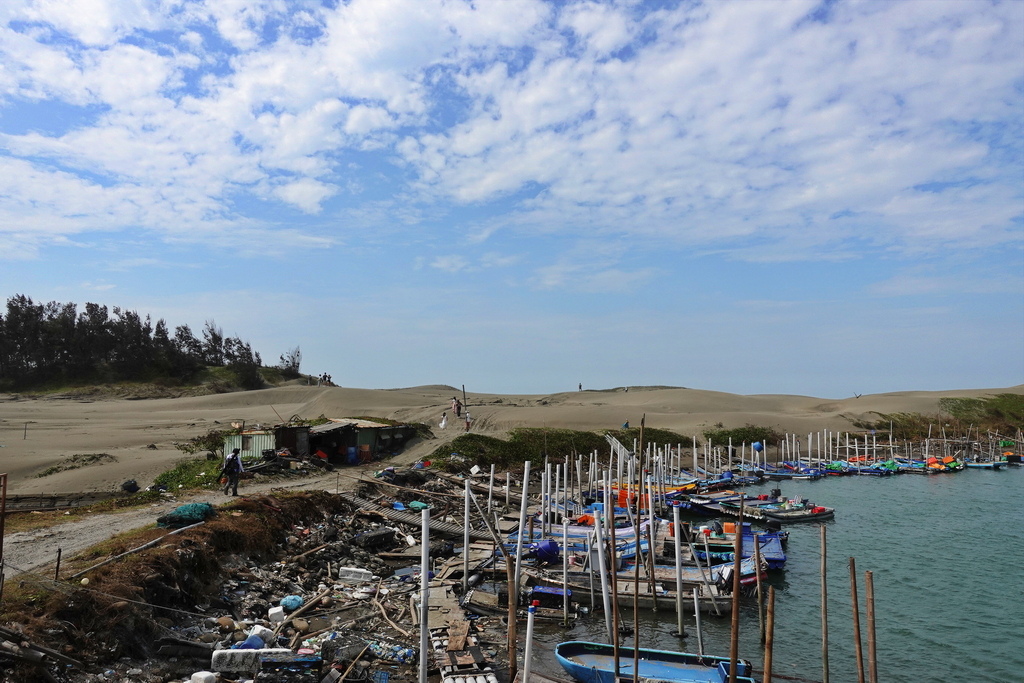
[{"x": 32, "y": 551}]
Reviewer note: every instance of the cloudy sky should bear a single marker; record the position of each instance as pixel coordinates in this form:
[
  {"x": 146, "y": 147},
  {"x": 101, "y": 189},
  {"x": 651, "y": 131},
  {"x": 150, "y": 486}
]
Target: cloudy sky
[{"x": 763, "y": 196}]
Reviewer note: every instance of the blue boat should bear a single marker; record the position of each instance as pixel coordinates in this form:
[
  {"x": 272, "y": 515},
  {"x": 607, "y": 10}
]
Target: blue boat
[{"x": 595, "y": 663}]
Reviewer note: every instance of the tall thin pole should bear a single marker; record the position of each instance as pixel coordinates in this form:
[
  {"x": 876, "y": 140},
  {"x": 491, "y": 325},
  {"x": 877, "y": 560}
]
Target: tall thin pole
[
  {"x": 528, "y": 654},
  {"x": 869, "y": 600},
  {"x": 769, "y": 638},
  {"x": 565, "y": 573},
  {"x": 490, "y": 491},
  {"x": 856, "y": 621},
  {"x": 522, "y": 526},
  {"x": 465, "y": 542},
  {"x": 824, "y": 608},
  {"x": 696, "y": 617},
  {"x": 605, "y": 595},
  {"x": 760, "y": 594},
  {"x": 734, "y": 641},
  {"x": 678, "y": 529},
  {"x": 3, "y": 516},
  {"x": 610, "y": 505},
  {"x": 425, "y": 593}
]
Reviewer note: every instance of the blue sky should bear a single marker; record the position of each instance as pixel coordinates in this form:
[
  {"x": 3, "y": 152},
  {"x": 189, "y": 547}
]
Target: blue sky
[{"x": 820, "y": 198}]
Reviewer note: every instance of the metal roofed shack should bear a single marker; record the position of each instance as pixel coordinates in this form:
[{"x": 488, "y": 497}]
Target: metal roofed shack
[{"x": 351, "y": 441}]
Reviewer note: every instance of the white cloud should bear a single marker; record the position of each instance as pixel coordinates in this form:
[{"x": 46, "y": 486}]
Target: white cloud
[
  {"x": 713, "y": 124},
  {"x": 306, "y": 194},
  {"x": 450, "y": 263},
  {"x": 94, "y": 22}
]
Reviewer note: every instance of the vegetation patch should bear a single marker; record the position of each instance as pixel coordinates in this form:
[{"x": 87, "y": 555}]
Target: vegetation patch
[
  {"x": 741, "y": 435},
  {"x": 534, "y": 444},
  {"x": 191, "y": 473},
  {"x": 1002, "y": 414},
  {"x": 78, "y": 461}
]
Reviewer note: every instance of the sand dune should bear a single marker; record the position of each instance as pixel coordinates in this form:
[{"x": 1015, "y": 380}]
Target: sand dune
[{"x": 38, "y": 433}]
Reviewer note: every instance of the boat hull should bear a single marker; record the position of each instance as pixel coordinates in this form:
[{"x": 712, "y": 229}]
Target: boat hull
[{"x": 594, "y": 663}]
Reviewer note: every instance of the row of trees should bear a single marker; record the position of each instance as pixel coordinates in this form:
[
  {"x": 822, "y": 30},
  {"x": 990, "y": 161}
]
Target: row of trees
[{"x": 56, "y": 343}]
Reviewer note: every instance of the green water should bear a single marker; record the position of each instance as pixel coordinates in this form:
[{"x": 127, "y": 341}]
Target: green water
[{"x": 947, "y": 558}]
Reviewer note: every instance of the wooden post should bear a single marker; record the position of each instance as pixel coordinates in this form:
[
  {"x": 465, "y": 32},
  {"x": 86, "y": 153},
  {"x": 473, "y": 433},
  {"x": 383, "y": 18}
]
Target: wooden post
[
  {"x": 869, "y": 600},
  {"x": 856, "y": 621},
  {"x": 734, "y": 640},
  {"x": 760, "y": 594},
  {"x": 56, "y": 571},
  {"x": 769, "y": 635},
  {"x": 824, "y": 609}
]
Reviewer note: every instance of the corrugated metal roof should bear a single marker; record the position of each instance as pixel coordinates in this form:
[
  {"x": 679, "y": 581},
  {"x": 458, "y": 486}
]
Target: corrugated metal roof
[{"x": 344, "y": 423}]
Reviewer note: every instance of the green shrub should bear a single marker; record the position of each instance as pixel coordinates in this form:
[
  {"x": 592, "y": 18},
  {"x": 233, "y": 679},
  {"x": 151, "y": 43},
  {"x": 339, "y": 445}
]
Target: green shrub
[
  {"x": 194, "y": 473},
  {"x": 741, "y": 435}
]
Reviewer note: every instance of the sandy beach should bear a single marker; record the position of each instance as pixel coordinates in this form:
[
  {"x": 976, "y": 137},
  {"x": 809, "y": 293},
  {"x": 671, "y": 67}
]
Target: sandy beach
[{"x": 38, "y": 433}]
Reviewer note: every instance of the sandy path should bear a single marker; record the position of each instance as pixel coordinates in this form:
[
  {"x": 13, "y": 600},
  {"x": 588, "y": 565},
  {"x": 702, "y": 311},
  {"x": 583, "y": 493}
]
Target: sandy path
[{"x": 32, "y": 551}]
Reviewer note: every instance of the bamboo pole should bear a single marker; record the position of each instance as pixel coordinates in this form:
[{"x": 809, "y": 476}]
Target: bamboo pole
[
  {"x": 565, "y": 573},
  {"x": 490, "y": 490},
  {"x": 769, "y": 639},
  {"x": 824, "y": 608},
  {"x": 465, "y": 541},
  {"x": 856, "y": 621},
  {"x": 636, "y": 570},
  {"x": 610, "y": 512},
  {"x": 678, "y": 529},
  {"x": 606, "y": 597},
  {"x": 869, "y": 599},
  {"x": 696, "y": 618},
  {"x": 522, "y": 526},
  {"x": 760, "y": 594},
  {"x": 734, "y": 640}
]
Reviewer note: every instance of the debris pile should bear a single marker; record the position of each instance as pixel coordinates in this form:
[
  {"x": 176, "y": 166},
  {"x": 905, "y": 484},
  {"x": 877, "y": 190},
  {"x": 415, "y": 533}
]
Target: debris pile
[{"x": 337, "y": 598}]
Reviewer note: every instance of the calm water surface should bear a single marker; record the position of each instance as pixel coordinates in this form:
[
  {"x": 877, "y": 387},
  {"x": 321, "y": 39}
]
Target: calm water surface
[{"x": 946, "y": 555}]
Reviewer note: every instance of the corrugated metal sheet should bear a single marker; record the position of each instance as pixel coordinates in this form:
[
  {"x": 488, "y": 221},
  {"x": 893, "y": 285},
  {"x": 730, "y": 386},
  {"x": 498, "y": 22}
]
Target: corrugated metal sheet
[
  {"x": 252, "y": 444},
  {"x": 346, "y": 423}
]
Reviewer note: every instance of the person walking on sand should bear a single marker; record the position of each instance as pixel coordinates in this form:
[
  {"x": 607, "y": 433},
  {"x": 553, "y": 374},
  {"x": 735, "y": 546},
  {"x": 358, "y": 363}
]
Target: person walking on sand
[
  {"x": 230, "y": 471},
  {"x": 444, "y": 420},
  {"x": 458, "y": 408},
  {"x": 468, "y": 420}
]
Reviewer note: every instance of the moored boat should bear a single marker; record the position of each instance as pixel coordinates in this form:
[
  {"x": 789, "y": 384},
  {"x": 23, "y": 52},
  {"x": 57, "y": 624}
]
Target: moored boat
[
  {"x": 986, "y": 464},
  {"x": 595, "y": 663},
  {"x": 808, "y": 514}
]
